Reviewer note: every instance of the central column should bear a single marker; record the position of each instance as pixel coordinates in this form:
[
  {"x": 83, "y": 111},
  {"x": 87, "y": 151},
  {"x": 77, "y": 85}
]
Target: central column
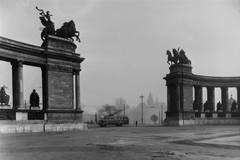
[{"x": 211, "y": 98}]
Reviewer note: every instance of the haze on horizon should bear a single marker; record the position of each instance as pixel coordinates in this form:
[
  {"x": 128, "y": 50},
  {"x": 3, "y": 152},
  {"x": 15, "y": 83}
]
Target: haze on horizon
[{"x": 125, "y": 42}]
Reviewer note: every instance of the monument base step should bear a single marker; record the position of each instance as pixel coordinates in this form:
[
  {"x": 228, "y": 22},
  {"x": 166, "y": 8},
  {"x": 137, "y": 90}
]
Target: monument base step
[
  {"x": 202, "y": 121},
  {"x": 40, "y": 126}
]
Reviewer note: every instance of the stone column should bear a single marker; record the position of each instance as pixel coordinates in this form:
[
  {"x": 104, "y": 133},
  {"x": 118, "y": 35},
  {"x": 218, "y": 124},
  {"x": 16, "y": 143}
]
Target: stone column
[
  {"x": 14, "y": 84},
  {"x": 45, "y": 87},
  {"x": 211, "y": 98},
  {"x": 198, "y": 97},
  {"x": 225, "y": 99},
  {"x": 77, "y": 89},
  {"x": 168, "y": 99},
  {"x": 178, "y": 95},
  {"x": 238, "y": 98},
  {"x": 17, "y": 73}
]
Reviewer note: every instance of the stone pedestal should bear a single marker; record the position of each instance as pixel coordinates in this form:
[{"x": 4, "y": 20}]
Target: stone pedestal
[
  {"x": 21, "y": 116},
  {"x": 228, "y": 115},
  {"x": 35, "y": 108},
  {"x": 5, "y": 107},
  {"x": 214, "y": 115},
  {"x": 59, "y": 75},
  {"x": 203, "y": 115},
  {"x": 178, "y": 118},
  {"x": 180, "y": 93}
]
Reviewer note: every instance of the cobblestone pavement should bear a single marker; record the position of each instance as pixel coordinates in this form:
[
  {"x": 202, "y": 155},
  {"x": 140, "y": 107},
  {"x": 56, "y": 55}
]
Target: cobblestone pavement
[{"x": 126, "y": 143}]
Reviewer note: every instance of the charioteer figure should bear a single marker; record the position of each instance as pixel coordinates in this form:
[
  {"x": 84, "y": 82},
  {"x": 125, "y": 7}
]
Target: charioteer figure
[{"x": 46, "y": 21}]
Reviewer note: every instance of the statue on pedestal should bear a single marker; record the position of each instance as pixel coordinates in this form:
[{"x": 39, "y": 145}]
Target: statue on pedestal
[
  {"x": 206, "y": 106},
  {"x": 219, "y": 106},
  {"x": 234, "y": 106},
  {"x": 4, "y": 98}
]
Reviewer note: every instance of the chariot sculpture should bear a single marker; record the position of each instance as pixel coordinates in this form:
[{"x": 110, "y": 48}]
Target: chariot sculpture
[
  {"x": 68, "y": 29},
  {"x": 178, "y": 57}
]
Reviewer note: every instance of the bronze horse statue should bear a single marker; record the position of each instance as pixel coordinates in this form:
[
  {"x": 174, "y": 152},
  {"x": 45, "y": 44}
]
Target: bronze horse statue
[
  {"x": 183, "y": 58},
  {"x": 178, "y": 57},
  {"x": 171, "y": 58},
  {"x": 68, "y": 30}
]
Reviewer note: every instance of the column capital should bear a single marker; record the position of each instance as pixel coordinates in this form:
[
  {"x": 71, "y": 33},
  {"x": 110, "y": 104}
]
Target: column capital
[
  {"x": 224, "y": 87},
  {"x": 18, "y": 63},
  {"x": 76, "y": 71},
  {"x": 210, "y": 87}
]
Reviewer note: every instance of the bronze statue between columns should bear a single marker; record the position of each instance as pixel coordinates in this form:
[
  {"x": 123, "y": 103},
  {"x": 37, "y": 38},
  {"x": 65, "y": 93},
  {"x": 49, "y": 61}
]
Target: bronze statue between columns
[{"x": 4, "y": 98}]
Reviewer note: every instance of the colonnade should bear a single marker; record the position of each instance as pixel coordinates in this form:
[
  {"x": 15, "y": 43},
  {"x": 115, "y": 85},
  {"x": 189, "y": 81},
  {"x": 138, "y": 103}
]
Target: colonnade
[
  {"x": 198, "y": 98},
  {"x": 60, "y": 66},
  {"x": 18, "y": 91}
]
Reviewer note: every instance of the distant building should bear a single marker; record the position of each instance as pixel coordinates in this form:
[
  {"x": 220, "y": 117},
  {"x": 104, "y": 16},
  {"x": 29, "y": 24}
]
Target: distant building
[
  {"x": 150, "y": 101},
  {"x": 150, "y": 108}
]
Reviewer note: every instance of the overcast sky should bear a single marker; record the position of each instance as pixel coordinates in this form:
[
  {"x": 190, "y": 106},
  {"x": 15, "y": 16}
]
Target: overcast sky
[{"x": 125, "y": 41}]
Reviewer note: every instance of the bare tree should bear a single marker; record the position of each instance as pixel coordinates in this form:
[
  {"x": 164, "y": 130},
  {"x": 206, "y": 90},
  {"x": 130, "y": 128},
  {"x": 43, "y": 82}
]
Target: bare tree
[
  {"x": 121, "y": 104},
  {"x": 107, "y": 110}
]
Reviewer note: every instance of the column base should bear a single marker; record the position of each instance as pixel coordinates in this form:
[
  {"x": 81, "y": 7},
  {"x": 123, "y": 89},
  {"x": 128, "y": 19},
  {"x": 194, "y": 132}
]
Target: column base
[{"x": 179, "y": 118}]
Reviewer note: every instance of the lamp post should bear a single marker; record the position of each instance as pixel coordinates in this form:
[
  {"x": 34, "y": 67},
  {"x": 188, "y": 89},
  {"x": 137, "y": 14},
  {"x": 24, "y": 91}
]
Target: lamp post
[
  {"x": 161, "y": 114},
  {"x": 142, "y": 106}
]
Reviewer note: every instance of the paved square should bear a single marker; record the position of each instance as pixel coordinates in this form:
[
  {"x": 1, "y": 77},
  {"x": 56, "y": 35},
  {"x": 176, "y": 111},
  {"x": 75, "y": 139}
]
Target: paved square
[{"x": 126, "y": 143}]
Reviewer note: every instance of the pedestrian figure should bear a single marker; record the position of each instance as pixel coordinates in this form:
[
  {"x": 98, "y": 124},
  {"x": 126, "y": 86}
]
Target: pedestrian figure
[
  {"x": 34, "y": 99},
  {"x": 136, "y": 123}
]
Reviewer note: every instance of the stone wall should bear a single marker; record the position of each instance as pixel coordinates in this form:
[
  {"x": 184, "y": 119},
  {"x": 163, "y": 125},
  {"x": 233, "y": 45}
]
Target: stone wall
[{"x": 60, "y": 90}]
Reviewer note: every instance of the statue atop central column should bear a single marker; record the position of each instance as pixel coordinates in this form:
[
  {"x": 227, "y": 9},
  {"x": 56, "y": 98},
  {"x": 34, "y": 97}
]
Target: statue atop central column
[{"x": 179, "y": 57}]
